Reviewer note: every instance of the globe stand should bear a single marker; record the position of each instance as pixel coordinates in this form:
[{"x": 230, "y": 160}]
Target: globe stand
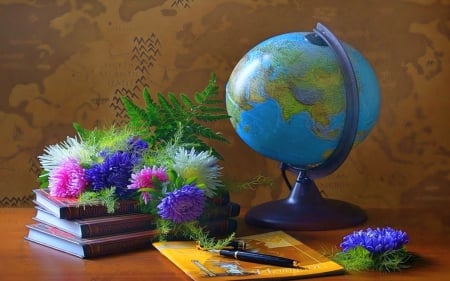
[{"x": 305, "y": 208}]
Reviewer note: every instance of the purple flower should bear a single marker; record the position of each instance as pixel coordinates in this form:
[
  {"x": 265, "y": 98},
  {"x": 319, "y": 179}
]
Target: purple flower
[
  {"x": 376, "y": 241},
  {"x": 114, "y": 171},
  {"x": 67, "y": 180},
  {"x": 182, "y": 205}
]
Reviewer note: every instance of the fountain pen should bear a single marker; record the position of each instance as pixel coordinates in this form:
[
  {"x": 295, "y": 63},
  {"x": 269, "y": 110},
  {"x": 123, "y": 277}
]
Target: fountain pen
[{"x": 258, "y": 258}]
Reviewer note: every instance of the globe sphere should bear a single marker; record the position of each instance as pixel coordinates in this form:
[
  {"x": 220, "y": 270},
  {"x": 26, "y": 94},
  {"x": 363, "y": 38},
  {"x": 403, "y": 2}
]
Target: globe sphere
[{"x": 286, "y": 99}]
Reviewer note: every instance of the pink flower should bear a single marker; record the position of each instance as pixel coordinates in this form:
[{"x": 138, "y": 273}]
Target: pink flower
[
  {"x": 67, "y": 180},
  {"x": 145, "y": 197},
  {"x": 144, "y": 177}
]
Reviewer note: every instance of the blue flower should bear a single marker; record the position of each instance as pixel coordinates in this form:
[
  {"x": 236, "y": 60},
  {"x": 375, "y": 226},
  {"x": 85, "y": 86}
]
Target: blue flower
[
  {"x": 376, "y": 241},
  {"x": 114, "y": 171},
  {"x": 137, "y": 145},
  {"x": 182, "y": 205}
]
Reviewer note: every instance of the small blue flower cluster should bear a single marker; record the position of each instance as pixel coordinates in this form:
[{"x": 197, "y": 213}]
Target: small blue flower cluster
[
  {"x": 117, "y": 167},
  {"x": 376, "y": 241},
  {"x": 115, "y": 170}
]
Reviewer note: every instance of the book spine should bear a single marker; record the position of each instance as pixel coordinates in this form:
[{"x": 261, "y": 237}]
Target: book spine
[
  {"x": 221, "y": 198},
  {"x": 221, "y": 227},
  {"x": 220, "y": 212},
  {"x": 116, "y": 247},
  {"x": 108, "y": 228},
  {"x": 88, "y": 211},
  {"x": 216, "y": 228}
]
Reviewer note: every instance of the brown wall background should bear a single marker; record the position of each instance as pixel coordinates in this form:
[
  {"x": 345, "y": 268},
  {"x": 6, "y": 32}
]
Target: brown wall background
[{"x": 67, "y": 61}]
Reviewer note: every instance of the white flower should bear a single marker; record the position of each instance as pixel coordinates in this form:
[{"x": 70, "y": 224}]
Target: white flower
[
  {"x": 200, "y": 165},
  {"x": 57, "y": 153}
]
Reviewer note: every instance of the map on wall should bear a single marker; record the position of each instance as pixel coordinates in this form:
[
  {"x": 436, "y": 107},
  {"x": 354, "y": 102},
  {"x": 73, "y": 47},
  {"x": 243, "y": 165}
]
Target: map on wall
[{"x": 71, "y": 61}]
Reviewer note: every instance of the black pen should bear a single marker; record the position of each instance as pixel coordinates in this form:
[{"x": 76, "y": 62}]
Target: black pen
[{"x": 258, "y": 258}]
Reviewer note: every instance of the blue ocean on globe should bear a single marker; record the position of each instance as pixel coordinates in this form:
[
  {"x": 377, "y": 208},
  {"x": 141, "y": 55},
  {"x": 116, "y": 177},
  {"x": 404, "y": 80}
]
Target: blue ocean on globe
[{"x": 286, "y": 99}]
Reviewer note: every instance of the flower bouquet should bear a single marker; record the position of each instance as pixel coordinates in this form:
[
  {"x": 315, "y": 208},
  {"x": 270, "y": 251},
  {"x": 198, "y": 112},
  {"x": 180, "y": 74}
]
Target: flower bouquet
[{"x": 158, "y": 158}]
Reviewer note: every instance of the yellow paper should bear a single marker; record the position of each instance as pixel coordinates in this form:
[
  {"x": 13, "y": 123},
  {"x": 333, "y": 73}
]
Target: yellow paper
[{"x": 203, "y": 265}]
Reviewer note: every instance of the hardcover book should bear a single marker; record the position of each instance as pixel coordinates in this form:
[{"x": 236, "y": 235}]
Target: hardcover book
[
  {"x": 222, "y": 198},
  {"x": 220, "y": 227},
  {"x": 227, "y": 210},
  {"x": 204, "y": 265},
  {"x": 97, "y": 226},
  {"x": 55, "y": 238},
  {"x": 69, "y": 208}
]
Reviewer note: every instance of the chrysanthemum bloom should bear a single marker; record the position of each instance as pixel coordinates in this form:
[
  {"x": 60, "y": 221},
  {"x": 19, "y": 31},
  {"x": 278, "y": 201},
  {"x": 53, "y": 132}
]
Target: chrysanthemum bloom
[
  {"x": 67, "y": 180},
  {"x": 57, "y": 153},
  {"x": 201, "y": 165},
  {"x": 182, "y": 205},
  {"x": 114, "y": 171},
  {"x": 376, "y": 241},
  {"x": 144, "y": 177}
]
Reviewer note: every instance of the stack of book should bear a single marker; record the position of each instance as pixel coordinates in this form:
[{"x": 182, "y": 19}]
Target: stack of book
[
  {"x": 219, "y": 217},
  {"x": 88, "y": 231}
]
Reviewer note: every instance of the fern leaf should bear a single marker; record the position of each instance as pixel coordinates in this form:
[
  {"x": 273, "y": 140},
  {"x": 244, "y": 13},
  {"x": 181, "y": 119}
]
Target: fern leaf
[
  {"x": 161, "y": 118},
  {"x": 176, "y": 105},
  {"x": 187, "y": 102},
  {"x": 151, "y": 108},
  {"x": 210, "y": 109},
  {"x": 208, "y": 133},
  {"x": 210, "y": 118},
  {"x": 164, "y": 103},
  {"x": 135, "y": 113}
]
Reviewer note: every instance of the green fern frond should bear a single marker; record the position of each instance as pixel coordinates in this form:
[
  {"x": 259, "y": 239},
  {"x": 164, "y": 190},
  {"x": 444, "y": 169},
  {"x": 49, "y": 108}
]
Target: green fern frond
[
  {"x": 161, "y": 118},
  {"x": 176, "y": 104},
  {"x": 138, "y": 116},
  {"x": 186, "y": 101},
  {"x": 147, "y": 97}
]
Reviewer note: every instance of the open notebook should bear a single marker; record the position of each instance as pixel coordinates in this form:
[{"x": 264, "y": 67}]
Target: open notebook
[{"x": 204, "y": 265}]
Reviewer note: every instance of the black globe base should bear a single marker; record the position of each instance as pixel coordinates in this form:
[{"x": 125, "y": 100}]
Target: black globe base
[{"x": 305, "y": 209}]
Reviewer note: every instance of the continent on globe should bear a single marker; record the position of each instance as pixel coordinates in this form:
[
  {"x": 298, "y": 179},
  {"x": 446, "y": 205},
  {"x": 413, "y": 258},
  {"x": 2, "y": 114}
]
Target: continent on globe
[{"x": 286, "y": 98}]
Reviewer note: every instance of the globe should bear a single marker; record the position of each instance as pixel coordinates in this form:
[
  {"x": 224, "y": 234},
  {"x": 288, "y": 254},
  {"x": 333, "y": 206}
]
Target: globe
[
  {"x": 286, "y": 99},
  {"x": 304, "y": 99}
]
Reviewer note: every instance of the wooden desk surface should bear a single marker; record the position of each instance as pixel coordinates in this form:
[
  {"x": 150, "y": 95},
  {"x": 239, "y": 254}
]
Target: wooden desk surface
[{"x": 22, "y": 260}]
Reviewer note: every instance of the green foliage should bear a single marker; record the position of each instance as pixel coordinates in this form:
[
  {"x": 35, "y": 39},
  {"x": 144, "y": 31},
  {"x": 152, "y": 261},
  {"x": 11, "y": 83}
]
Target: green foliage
[
  {"x": 203, "y": 239},
  {"x": 191, "y": 231},
  {"x": 43, "y": 179},
  {"x": 112, "y": 137},
  {"x": 250, "y": 184},
  {"x": 360, "y": 259},
  {"x": 165, "y": 228},
  {"x": 356, "y": 259},
  {"x": 105, "y": 196},
  {"x": 393, "y": 260},
  {"x": 159, "y": 120}
]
